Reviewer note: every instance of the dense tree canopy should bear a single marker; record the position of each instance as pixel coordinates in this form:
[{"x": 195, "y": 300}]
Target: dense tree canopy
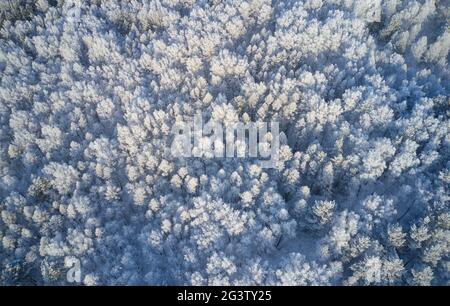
[{"x": 89, "y": 93}]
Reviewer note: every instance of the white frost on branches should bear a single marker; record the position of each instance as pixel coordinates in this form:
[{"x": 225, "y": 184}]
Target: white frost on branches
[{"x": 90, "y": 90}]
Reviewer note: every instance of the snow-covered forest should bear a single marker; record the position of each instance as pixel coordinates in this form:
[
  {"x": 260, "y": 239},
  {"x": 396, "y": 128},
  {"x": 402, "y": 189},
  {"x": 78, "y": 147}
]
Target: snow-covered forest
[{"x": 89, "y": 92}]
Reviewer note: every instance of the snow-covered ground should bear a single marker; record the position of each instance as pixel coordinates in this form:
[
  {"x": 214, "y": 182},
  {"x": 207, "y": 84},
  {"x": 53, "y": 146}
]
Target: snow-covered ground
[{"x": 90, "y": 92}]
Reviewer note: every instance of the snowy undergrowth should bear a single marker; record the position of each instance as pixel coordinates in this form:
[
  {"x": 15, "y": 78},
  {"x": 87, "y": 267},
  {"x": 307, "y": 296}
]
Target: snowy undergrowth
[{"x": 89, "y": 91}]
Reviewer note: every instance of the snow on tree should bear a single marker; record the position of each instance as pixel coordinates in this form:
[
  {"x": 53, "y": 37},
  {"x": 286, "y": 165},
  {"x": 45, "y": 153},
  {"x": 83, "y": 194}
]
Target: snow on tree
[{"x": 90, "y": 92}]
